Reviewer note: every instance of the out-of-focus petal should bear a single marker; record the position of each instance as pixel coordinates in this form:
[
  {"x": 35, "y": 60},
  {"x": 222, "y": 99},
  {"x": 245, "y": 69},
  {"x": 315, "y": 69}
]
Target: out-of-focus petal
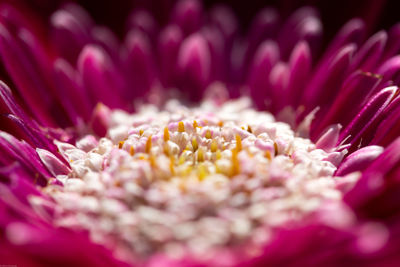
[
  {"x": 97, "y": 73},
  {"x": 359, "y": 160},
  {"x": 194, "y": 66}
]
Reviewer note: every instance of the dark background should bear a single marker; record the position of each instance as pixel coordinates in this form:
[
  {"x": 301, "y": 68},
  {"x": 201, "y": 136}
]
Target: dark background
[{"x": 378, "y": 14}]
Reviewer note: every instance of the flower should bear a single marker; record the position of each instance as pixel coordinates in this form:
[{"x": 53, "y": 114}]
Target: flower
[{"x": 191, "y": 144}]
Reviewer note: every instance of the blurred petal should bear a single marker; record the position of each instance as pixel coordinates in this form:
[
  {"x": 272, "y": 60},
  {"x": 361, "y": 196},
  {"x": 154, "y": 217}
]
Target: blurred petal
[
  {"x": 194, "y": 66},
  {"x": 359, "y": 160}
]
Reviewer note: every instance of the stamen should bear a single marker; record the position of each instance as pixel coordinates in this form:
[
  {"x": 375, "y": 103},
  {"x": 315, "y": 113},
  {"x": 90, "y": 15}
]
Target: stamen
[
  {"x": 152, "y": 160},
  {"x": 214, "y": 146},
  {"x": 208, "y": 134},
  {"x": 120, "y": 144},
  {"x": 172, "y": 164},
  {"x": 166, "y": 149},
  {"x": 181, "y": 127},
  {"x": 235, "y": 163},
  {"x": 194, "y": 144},
  {"x": 200, "y": 155},
  {"x": 218, "y": 154},
  {"x": 268, "y": 155},
  {"x": 132, "y": 151},
  {"x": 238, "y": 142},
  {"x": 166, "y": 134},
  {"x": 148, "y": 144},
  {"x": 182, "y": 160},
  {"x": 201, "y": 172}
]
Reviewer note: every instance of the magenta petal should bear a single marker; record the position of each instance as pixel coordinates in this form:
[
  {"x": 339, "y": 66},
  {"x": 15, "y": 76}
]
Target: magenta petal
[
  {"x": 278, "y": 79},
  {"x": 96, "y": 70},
  {"x": 377, "y": 191},
  {"x": 42, "y": 64},
  {"x": 14, "y": 18},
  {"x": 303, "y": 24},
  {"x": 216, "y": 44},
  {"x": 69, "y": 34},
  {"x": 263, "y": 27},
  {"x": 36, "y": 136},
  {"x": 33, "y": 135},
  {"x": 40, "y": 244},
  {"x": 223, "y": 17},
  {"x": 141, "y": 70},
  {"x": 348, "y": 100},
  {"x": 33, "y": 62},
  {"x": 239, "y": 63},
  {"x": 80, "y": 14},
  {"x": 393, "y": 42},
  {"x": 11, "y": 105},
  {"x": 336, "y": 157},
  {"x": 12, "y": 149},
  {"x": 106, "y": 38},
  {"x": 326, "y": 81},
  {"x": 142, "y": 20},
  {"x": 390, "y": 70},
  {"x": 297, "y": 246},
  {"x": 194, "y": 66},
  {"x": 66, "y": 101},
  {"x": 367, "y": 116},
  {"x": 329, "y": 139},
  {"x": 188, "y": 15},
  {"x": 19, "y": 188},
  {"x": 265, "y": 58},
  {"x": 370, "y": 53},
  {"x": 24, "y": 75},
  {"x": 389, "y": 128},
  {"x": 14, "y": 196},
  {"x": 359, "y": 160},
  {"x": 300, "y": 64},
  {"x": 52, "y": 163},
  {"x": 168, "y": 48},
  {"x": 352, "y": 32},
  {"x": 100, "y": 119},
  {"x": 70, "y": 90}
]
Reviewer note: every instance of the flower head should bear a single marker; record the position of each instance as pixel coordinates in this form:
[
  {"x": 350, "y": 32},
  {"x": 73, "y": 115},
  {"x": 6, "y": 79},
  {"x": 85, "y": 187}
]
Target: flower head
[{"x": 192, "y": 144}]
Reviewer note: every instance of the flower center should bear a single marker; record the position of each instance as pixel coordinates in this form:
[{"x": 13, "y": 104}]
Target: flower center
[{"x": 191, "y": 180}]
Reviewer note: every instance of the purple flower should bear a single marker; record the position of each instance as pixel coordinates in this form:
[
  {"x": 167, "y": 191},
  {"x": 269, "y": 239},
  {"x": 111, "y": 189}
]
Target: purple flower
[{"x": 191, "y": 143}]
